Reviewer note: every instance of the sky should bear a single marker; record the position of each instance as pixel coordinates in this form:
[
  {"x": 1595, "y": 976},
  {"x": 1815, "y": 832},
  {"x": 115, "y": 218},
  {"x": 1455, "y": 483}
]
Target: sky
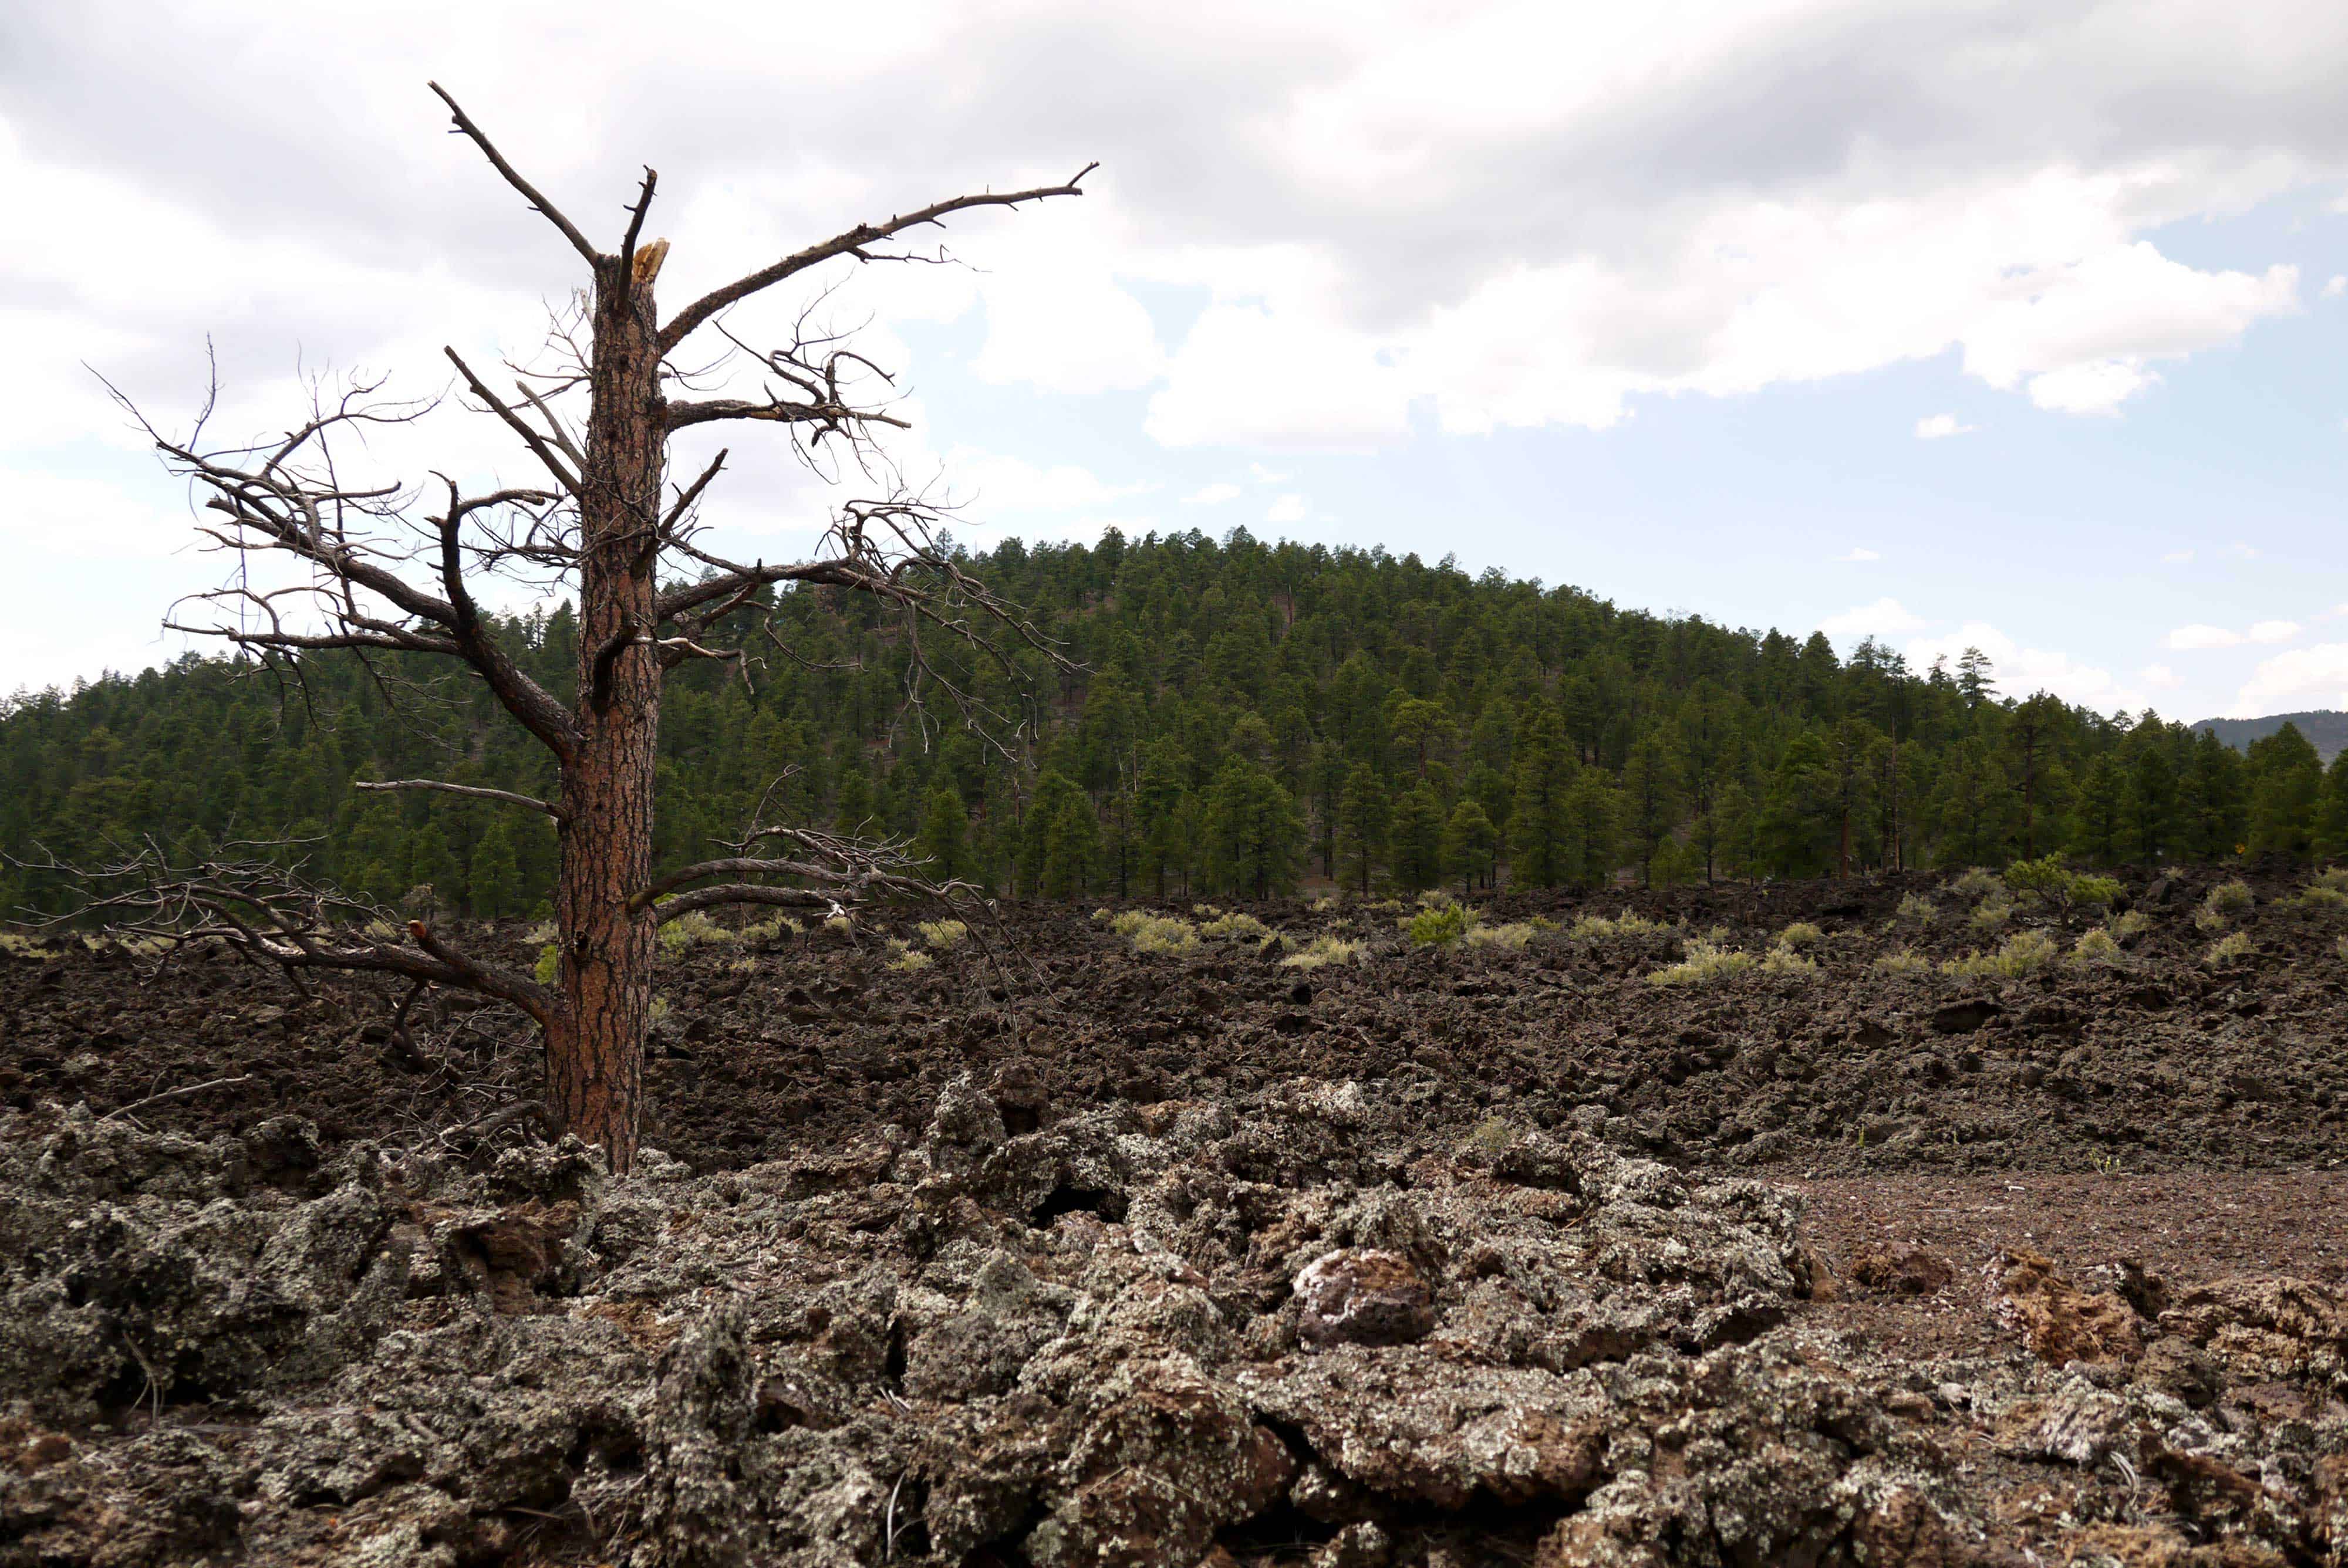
[{"x": 1962, "y": 323}]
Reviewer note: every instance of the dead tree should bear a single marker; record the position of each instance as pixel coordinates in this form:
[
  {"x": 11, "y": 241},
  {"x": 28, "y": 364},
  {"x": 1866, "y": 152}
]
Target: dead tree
[{"x": 393, "y": 570}]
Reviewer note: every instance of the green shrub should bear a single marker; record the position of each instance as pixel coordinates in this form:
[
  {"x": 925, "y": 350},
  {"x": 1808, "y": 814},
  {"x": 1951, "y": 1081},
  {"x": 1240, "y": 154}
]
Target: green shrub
[
  {"x": 2335, "y": 878},
  {"x": 1800, "y": 934},
  {"x": 2095, "y": 892},
  {"x": 2023, "y": 953},
  {"x": 1439, "y": 925},
  {"x": 943, "y": 934},
  {"x": 1155, "y": 933},
  {"x": 2044, "y": 877},
  {"x": 2228, "y": 950},
  {"x": 1233, "y": 925},
  {"x": 691, "y": 930},
  {"x": 1917, "y": 910},
  {"x": 1992, "y": 913},
  {"x": 1977, "y": 883},
  {"x": 549, "y": 964},
  {"x": 770, "y": 929},
  {"x": 2095, "y": 948},
  {"x": 2134, "y": 923},
  {"x": 1787, "y": 961},
  {"x": 1514, "y": 934},
  {"x": 1325, "y": 950},
  {"x": 2232, "y": 898},
  {"x": 1705, "y": 963},
  {"x": 1598, "y": 928},
  {"x": 907, "y": 960},
  {"x": 1903, "y": 962}
]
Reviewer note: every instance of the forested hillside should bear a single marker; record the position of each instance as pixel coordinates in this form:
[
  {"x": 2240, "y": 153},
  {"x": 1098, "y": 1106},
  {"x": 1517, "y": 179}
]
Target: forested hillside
[
  {"x": 1247, "y": 717},
  {"x": 2326, "y": 730}
]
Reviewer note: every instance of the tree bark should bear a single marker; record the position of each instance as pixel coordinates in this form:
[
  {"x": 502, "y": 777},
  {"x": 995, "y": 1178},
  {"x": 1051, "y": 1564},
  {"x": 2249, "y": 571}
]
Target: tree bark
[{"x": 595, "y": 1047}]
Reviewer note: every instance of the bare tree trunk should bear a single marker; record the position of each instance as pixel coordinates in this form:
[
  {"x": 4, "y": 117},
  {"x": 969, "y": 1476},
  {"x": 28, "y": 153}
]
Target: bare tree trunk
[{"x": 594, "y": 1052}]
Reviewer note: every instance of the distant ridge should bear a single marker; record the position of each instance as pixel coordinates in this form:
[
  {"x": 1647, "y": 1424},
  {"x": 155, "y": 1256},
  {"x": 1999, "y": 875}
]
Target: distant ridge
[{"x": 2325, "y": 728}]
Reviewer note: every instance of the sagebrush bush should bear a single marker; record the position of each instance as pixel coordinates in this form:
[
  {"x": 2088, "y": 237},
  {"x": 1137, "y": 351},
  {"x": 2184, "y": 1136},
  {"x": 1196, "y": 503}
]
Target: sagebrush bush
[
  {"x": 1704, "y": 962},
  {"x": 906, "y": 959},
  {"x": 1903, "y": 962},
  {"x": 2134, "y": 923},
  {"x": 1784, "y": 960},
  {"x": 1325, "y": 950},
  {"x": 2024, "y": 952},
  {"x": 2228, "y": 950},
  {"x": 2097, "y": 947},
  {"x": 768, "y": 931},
  {"x": 549, "y": 964},
  {"x": 691, "y": 930},
  {"x": 1992, "y": 913},
  {"x": 1917, "y": 910},
  {"x": 1514, "y": 934},
  {"x": 1437, "y": 926},
  {"x": 943, "y": 933},
  {"x": 1976, "y": 883},
  {"x": 2232, "y": 898},
  {"x": 2335, "y": 878},
  {"x": 1234, "y": 925},
  {"x": 1800, "y": 934},
  {"x": 1598, "y": 928},
  {"x": 1155, "y": 933}
]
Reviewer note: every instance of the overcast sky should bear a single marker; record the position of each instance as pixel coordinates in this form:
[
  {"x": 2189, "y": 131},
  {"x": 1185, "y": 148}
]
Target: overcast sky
[{"x": 2015, "y": 325}]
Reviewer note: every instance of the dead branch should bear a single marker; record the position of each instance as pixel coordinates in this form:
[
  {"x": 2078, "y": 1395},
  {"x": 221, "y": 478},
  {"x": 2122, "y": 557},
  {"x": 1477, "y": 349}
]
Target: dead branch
[
  {"x": 471, "y": 792},
  {"x": 855, "y": 242}
]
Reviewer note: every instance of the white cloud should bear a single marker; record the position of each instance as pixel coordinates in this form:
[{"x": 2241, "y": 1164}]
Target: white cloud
[
  {"x": 2247, "y": 551},
  {"x": 1939, "y": 426},
  {"x": 2160, "y": 678},
  {"x": 1860, "y": 553},
  {"x": 997, "y": 485},
  {"x": 2335, "y": 286},
  {"x": 1286, "y": 509},
  {"x": 2022, "y": 670},
  {"x": 1884, "y": 617},
  {"x": 1214, "y": 495},
  {"x": 2178, "y": 557},
  {"x": 1263, "y": 475},
  {"x": 2305, "y": 676},
  {"x": 2187, "y": 638}
]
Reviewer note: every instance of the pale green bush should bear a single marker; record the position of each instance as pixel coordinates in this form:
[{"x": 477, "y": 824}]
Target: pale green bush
[
  {"x": 1977, "y": 883},
  {"x": 1233, "y": 925},
  {"x": 1703, "y": 964},
  {"x": 2134, "y": 923},
  {"x": 549, "y": 964},
  {"x": 691, "y": 930},
  {"x": 1785, "y": 961},
  {"x": 2095, "y": 946},
  {"x": 943, "y": 934},
  {"x": 1916, "y": 910},
  {"x": 2230, "y": 898},
  {"x": 907, "y": 960},
  {"x": 1514, "y": 934},
  {"x": 768, "y": 930},
  {"x": 1326, "y": 950},
  {"x": 2228, "y": 950},
  {"x": 1903, "y": 962},
  {"x": 1598, "y": 928},
  {"x": 1800, "y": 934},
  {"x": 1992, "y": 913},
  {"x": 2024, "y": 952},
  {"x": 1155, "y": 933}
]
